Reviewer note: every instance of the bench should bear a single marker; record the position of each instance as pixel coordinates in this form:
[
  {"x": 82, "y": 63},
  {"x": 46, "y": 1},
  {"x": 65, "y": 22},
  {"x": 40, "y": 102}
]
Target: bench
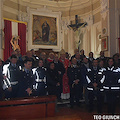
[{"x": 28, "y": 108}]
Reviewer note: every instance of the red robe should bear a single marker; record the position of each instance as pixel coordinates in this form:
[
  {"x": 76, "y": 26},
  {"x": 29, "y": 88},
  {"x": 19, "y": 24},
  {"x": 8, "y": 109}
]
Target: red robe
[
  {"x": 49, "y": 60},
  {"x": 66, "y": 88}
]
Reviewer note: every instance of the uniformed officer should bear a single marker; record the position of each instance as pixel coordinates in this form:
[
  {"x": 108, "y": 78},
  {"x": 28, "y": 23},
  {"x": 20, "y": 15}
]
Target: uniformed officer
[
  {"x": 95, "y": 80},
  {"x": 75, "y": 82},
  {"x": 27, "y": 79},
  {"x": 111, "y": 85},
  {"x": 1, "y": 79},
  {"x": 40, "y": 79},
  {"x": 11, "y": 74}
]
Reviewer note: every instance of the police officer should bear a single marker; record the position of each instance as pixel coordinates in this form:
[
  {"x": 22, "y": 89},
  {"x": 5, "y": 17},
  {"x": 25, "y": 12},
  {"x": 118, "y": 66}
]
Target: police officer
[
  {"x": 75, "y": 82},
  {"x": 40, "y": 79},
  {"x": 1, "y": 79},
  {"x": 111, "y": 85},
  {"x": 27, "y": 79},
  {"x": 95, "y": 80},
  {"x": 11, "y": 74}
]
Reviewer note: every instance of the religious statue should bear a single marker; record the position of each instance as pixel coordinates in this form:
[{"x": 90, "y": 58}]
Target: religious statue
[
  {"x": 14, "y": 43},
  {"x": 45, "y": 31}
]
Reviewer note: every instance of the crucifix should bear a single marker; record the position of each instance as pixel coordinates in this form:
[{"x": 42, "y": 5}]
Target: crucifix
[{"x": 77, "y": 24}]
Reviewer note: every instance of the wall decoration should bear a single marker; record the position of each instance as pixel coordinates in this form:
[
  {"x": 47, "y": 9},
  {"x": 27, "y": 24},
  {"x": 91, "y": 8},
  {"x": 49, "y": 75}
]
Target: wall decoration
[
  {"x": 44, "y": 29},
  {"x": 104, "y": 31},
  {"x": 104, "y": 43}
]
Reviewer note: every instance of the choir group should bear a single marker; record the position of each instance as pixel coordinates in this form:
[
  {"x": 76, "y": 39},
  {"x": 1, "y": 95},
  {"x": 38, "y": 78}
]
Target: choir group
[{"x": 73, "y": 78}]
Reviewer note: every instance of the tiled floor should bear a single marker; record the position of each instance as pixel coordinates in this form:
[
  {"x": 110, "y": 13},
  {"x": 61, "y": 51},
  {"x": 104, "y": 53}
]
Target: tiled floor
[{"x": 66, "y": 113}]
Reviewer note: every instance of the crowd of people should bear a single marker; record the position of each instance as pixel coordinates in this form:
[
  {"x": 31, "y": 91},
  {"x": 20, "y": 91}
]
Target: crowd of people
[{"x": 74, "y": 78}]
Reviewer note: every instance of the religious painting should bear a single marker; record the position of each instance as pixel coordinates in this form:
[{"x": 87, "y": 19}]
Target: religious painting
[
  {"x": 44, "y": 30},
  {"x": 104, "y": 43}
]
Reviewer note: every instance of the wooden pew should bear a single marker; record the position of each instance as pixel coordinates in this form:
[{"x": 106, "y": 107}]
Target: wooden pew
[{"x": 28, "y": 108}]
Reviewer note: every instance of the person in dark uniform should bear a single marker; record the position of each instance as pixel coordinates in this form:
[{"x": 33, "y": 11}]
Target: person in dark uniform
[
  {"x": 111, "y": 85},
  {"x": 75, "y": 52},
  {"x": 102, "y": 57},
  {"x": 53, "y": 83},
  {"x": 84, "y": 66},
  {"x": 79, "y": 61},
  {"x": 61, "y": 70},
  {"x": 43, "y": 57},
  {"x": 28, "y": 56},
  {"x": 91, "y": 58},
  {"x": 1, "y": 79},
  {"x": 35, "y": 57},
  {"x": 95, "y": 80},
  {"x": 82, "y": 55},
  {"x": 40, "y": 79},
  {"x": 27, "y": 80},
  {"x": 11, "y": 75},
  {"x": 116, "y": 60},
  {"x": 75, "y": 82}
]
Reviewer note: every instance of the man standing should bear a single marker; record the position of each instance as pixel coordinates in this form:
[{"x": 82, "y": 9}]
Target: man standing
[
  {"x": 95, "y": 79},
  {"x": 11, "y": 75},
  {"x": 75, "y": 82},
  {"x": 27, "y": 79}
]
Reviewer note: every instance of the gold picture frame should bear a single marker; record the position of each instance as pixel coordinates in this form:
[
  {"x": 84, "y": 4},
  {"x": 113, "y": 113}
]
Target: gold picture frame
[
  {"x": 44, "y": 30},
  {"x": 40, "y": 19}
]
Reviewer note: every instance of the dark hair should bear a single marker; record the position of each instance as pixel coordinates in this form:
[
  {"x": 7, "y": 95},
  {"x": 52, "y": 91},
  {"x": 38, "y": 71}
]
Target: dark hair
[
  {"x": 109, "y": 59},
  {"x": 40, "y": 59},
  {"x": 91, "y": 53},
  {"x": 13, "y": 56},
  {"x": 27, "y": 60},
  {"x": 117, "y": 54},
  {"x": 50, "y": 64},
  {"x": 94, "y": 60},
  {"x": 99, "y": 60},
  {"x": 83, "y": 58},
  {"x": 31, "y": 49}
]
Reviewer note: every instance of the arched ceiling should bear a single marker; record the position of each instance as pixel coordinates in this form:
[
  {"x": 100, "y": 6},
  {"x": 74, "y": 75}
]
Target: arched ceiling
[{"x": 64, "y": 4}]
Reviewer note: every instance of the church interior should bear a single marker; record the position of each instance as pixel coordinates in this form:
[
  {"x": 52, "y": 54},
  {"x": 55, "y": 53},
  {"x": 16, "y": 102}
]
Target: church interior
[{"x": 57, "y": 27}]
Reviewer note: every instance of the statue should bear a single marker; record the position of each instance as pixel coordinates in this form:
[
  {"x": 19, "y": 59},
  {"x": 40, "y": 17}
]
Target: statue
[{"x": 14, "y": 43}]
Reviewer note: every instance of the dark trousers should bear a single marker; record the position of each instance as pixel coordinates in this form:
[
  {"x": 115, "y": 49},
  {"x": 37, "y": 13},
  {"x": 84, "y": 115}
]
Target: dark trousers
[
  {"x": 111, "y": 101},
  {"x": 91, "y": 95},
  {"x": 54, "y": 90},
  {"x": 75, "y": 94},
  {"x": 13, "y": 93},
  {"x": 41, "y": 90},
  {"x": 1, "y": 93}
]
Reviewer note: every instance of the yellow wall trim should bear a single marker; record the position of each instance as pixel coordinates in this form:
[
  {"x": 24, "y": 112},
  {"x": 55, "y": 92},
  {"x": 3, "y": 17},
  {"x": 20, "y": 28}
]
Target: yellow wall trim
[{"x": 15, "y": 21}]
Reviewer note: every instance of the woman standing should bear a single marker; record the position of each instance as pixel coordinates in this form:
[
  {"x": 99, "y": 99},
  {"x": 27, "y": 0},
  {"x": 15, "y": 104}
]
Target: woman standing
[
  {"x": 40, "y": 79},
  {"x": 53, "y": 83}
]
